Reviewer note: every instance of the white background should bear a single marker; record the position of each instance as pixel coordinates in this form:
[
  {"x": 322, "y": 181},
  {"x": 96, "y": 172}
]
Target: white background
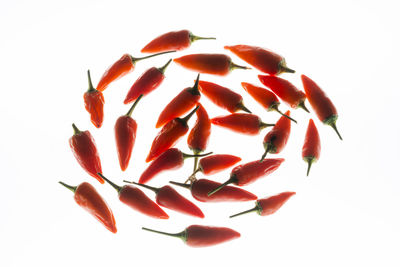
[{"x": 345, "y": 214}]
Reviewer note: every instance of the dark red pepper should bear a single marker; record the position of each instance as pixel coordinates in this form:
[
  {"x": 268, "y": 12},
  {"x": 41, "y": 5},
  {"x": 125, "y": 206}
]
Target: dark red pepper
[
  {"x": 94, "y": 103},
  {"x": 243, "y": 123},
  {"x": 312, "y": 145}
]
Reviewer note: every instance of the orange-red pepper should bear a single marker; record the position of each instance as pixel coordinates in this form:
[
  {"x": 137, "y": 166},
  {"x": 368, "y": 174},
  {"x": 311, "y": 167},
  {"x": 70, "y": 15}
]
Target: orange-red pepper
[
  {"x": 312, "y": 145},
  {"x": 243, "y": 123},
  {"x": 94, "y": 103}
]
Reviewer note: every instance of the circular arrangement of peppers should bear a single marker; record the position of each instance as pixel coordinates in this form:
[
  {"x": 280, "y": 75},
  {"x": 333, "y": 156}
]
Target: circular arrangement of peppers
[{"x": 173, "y": 120}]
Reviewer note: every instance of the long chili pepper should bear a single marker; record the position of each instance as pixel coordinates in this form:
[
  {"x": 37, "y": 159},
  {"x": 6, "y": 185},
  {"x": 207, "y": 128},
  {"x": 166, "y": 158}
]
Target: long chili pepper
[
  {"x": 264, "y": 97},
  {"x": 276, "y": 139},
  {"x": 243, "y": 123},
  {"x": 171, "y": 159},
  {"x": 137, "y": 200},
  {"x": 260, "y": 58},
  {"x": 125, "y": 136},
  {"x": 285, "y": 90},
  {"x": 202, "y": 236},
  {"x": 269, "y": 205},
  {"x": 169, "y": 135},
  {"x": 217, "y": 64},
  {"x": 90, "y": 200},
  {"x": 169, "y": 198},
  {"x": 215, "y": 163},
  {"x": 249, "y": 172},
  {"x": 321, "y": 103},
  {"x": 223, "y": 97},
  {"x": 94, "y": 103},
  {"x": 312, "y": 145},
  {"x": 180, "y": 104},
  {"x": 150, "y": 80},
  {"x": 84, "y": 149},
  {"x": 120, "y": 68},
  {"x": 175, "y": 40}
]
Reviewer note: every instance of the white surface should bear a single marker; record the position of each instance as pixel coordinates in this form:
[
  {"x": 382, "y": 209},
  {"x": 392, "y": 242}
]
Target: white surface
[{"x": 345, "y": 214}]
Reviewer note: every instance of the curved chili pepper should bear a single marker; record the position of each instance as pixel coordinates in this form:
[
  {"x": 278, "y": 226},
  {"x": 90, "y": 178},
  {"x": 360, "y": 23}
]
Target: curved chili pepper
[
  {"x": 120, "y": 68},
  {"x": 180, "y": 104},
  {"x": 260, "y": 58},
  {"x": 217, "y": 64},
  {"x": 137, "y": 200},
  {"x": 269, "y": 205},
  {"x": 175, "y": 40},
  {"x": 321, "y": 103},
  {"x": 85, "y": 151},
  {"x": 216, "y": 163},
  {"x": 94, "y": 103},
  {"x": 169, "y": 198},
  {"x": 243, "y": 123},
  {"x": 264, "y": 97},
  {"x": 202, "y": 236},
  {"x": 312, "y": 145},
  {"x": 90, "y": 200},
  {"x": 276, "y": 139},
  {"x": 286, "y": 91},
  {"x": 248, "y": 173},
  {"x": 223, "y": 97},
  {"x": 125, "y": 136}
]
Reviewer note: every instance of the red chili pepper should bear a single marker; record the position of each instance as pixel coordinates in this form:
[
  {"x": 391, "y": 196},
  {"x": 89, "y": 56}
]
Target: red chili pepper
[
  {"x": 216, "y": 163},
  {"x": 94, "y": 103},
  {"x": 286, "y": 91},
  {"x": 217, "y": 64},
  {"x": 180, "y": 104},
  {"x": 90, "y": 200},
  {"x": 269, "y": 205},
  {"x": 169, "y": 198},
  {"x": 223, "y": 97},
  {"x": 248, "y": 173},
  {"x": 202, "y": 236},
  {"x": 85, "y": 151},
  {"x": 176, "y": 40},
  {"x": 125, "y": 136},
  {"x": 260, "y": 58},
  {"x": 321, "y": 103},
  {"x": 137, "y": 200},
  {"x": 264, "y": 97},
  {"x": 120, "y": 68},
  {"x": 243, "y": 123},
  {"x": 312, "y": 145}
]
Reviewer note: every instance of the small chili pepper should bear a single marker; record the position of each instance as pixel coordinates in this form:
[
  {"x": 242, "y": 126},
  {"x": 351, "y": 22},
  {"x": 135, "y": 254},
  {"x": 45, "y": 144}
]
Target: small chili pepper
[
  {"x": 321, "y": 103},
  {"x": 169, "y": 135},
  {"x": 120, "y": 68},
  {"x": 286, "y": 91},
  {"x": 217, "y": 64},
  {"x": 243, "y": 123},
  {"x": 202, "y": 236},
  {"x": 269, "y": 205},
  {"x": 169, "y": 198},
  {"x": 171, "y": 159},
  {"x": 90, "y": 200},
  {"x": 312, "y": 145},
  {"x": 248, "y": 173},
  {"x": 94, "y": 103},
  {"x": 216, "y": 163},
  {"x": 125, "y": 136},
  {"x": 180, "y": 104},
  {"x": 137, "y": 200},
  {"x": 175, "y": 40},
  {"x": 265, "y": 98},
  {"x": 85, "y": 151},
  {"x": 223, "y": 97},
  {"x": 260, "y": 58},
  {"x": 276, "y": 139}
]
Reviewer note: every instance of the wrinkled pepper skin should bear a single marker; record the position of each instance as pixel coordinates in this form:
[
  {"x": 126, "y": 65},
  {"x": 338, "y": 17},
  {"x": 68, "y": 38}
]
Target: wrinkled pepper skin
[
  {"x": 312, "y": 145},
  {"x": 94, "y": 103}
]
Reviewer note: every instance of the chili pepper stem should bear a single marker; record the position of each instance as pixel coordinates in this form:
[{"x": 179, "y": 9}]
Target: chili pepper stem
[
  {"x": 286, "y": 69},
  {"x": 185, "y": 119},
  {"x": 195, "y": 155},
  {"x": 116, "y": 187},
  {"x": 72, "y": 188},
  {"x": 283, "y": 114},
  {"x": 241, "y": 106},
  {"x": 91, "y": 88},
  {"x": 333, "y": 125},
  {"x": 193, "y": 38},
  {"x": 264, "y": 125},
  {"x": 303, "y": 106},
  {"x": 196, "y": 163},
  {"x": 163, "y": 68},
  {"x": 180, "y": 184},
  {"x": 195, "y": 89},
  {"x": 267, "y": 150},
  {"x": 129, "y": 113},
  {"x": 134, "y": 59},
  {"x": 154, "y": 189},
  {"x": 76, "y": 130},
  {"x": 244, "y": 212},
  {"x": 229, "y": 181},
  {"x": 182, "y": 235},
  {"x": 233, "y": 66},
  {"x": 309, "y": 161}
]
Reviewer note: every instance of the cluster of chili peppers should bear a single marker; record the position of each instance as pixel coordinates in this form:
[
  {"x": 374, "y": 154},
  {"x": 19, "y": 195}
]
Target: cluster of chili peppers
[{"x": 173, "y": 119}]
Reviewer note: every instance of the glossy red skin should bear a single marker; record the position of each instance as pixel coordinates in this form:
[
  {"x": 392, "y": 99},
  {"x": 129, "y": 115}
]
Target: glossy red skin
[
  {"x": 312, "y": 142},
  {"x": 199, "y": 135},
  {"x": 204, "y": 236},
  {"x": 260, "y": 58},
  {"x": 279, "y": 134},
  {"x": 216, "y": 163},
  {"x": 171, "y": 199},
  {"x": 84, "y": 149},
  {"x": 243, "y": 123},
  {"x": 94, "y": 104},
  {"x": 137, "y": 200},
  {"x": 90, "y": 200},
  {"x": 125, "y": 136},
  {"x": 285, "y": 90},
  {"x": 175, "y": 40},
  {"x": 217, "y": 64},
  {"x": 120, "y": 68},
  {"x": 271, "y": 204},
  {"x": 264, "y": 97},
  {"x": 171, "y": 159},
  {"x": 221, "y": 96}
]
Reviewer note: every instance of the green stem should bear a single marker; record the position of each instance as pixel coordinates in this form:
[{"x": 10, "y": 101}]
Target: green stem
[
  {"x": 154, "y": 189},
  {"x": 91, "y": 88},
  {"x": 129, "y": 113},
  {"x": 303, "y": 106},
  {"x": 195, "y": 89},
  {"x": 196, "y": 163},
  {"x": 283, "y": 114},
  {"x": 268, "y": 148},
  {"x": 233, "y": 66},
  {"x": 246, "y": 211},
  {"x": 193, "y": 37},
  {"x": 134, "y": 59},
  {"x": 182, "y": 235},
  {"x": 185, "y": 119},
  {"x": 72, "y": 188},
  {"x": 231, "y": 180},
  {"x": 333, "y": 125},
  {"x": 264, "y": 125},
  {"x": 286, "y": 69},
  {"x": 76, "y": 130},
  {"x": 187, "y": 186},
  {"x": 163, "y": 68},
  {"x": 195, "y": 155},
  {"x": 116, "y": 187},
  {"x": 309, "y": 161},
  {"x": 241, "y": 106},
  {"x": 331, "y": 121}
]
